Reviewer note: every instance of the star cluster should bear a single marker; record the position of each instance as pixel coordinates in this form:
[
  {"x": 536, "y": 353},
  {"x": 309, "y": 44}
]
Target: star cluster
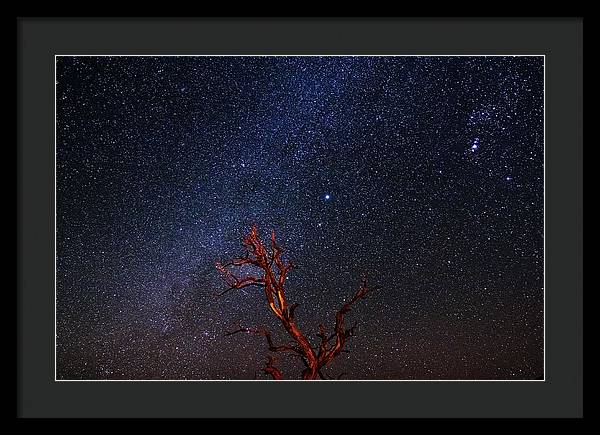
[{"x": 422, "y": 174}]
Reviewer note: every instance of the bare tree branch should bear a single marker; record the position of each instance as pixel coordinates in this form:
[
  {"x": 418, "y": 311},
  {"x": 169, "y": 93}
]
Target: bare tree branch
[
  {"x": 271, "y": 275},
  {"x": 272, "y": 370},
  {"x": 265, "y": 333}
]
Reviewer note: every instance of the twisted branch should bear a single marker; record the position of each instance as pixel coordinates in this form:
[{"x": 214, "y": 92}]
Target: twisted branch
[{"x": 273, "y": 271}]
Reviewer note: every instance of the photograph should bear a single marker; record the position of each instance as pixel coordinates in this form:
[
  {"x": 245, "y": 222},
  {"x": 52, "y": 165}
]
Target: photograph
[{"x": 270, "y": 218}]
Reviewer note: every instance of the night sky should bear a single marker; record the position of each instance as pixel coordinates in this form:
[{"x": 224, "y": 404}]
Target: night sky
[{"x": 422, "y": 174}]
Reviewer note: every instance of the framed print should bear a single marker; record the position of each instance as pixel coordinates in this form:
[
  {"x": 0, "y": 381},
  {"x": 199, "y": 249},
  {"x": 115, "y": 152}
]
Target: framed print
[{"x": 331, "y": 217}]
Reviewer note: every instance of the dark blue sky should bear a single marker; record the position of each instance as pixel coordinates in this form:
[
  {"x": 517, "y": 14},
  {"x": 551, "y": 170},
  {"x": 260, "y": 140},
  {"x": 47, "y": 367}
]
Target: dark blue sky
[{"x": 423, "y": 174}]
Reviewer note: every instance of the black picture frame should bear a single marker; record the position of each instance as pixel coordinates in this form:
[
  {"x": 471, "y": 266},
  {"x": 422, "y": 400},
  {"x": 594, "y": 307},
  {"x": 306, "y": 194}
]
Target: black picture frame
[{"x": 559, "y": 40}]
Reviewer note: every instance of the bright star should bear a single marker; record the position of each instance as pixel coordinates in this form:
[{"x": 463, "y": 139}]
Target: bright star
[{"x": 327, "y": 196}]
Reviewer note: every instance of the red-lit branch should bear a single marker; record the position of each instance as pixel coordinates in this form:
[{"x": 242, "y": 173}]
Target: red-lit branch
[{"x": 272, "y": 274}]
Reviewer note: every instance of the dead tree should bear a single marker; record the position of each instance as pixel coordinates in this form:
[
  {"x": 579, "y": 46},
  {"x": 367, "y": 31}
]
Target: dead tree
[{"x": 271, "y": 273}]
